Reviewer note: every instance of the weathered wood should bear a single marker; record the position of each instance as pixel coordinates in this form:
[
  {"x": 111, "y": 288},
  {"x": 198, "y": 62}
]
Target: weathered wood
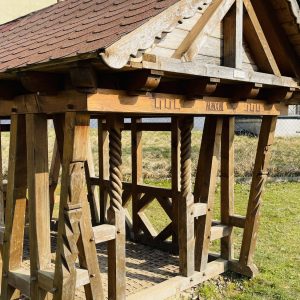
[
  {"x": 213, "y": 15},
  {"x": 2, "y": 204},
  {"x": 75, "y": 232},
  {"x": 15, "y": 204},
  {"x": 205, "y": 185},
  {"x": 116, "y": 215},
  {"x": 237, "y": 221},
  {"x": 104, "y": 233},
  {"x": 227, "y": 184},
  {"x": 233, "y": 36},
  {"x": 103, "y": 169},
  {"x": 260, "y": 174},
  {"x": 38, "y": 197},
  {"x": 186, "y": 239}
]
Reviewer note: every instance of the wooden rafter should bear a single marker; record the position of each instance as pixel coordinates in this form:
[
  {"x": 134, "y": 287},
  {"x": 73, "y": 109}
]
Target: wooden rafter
[
  {"x": 206, "y": 24},
  {"x": 258, "y": 42}
]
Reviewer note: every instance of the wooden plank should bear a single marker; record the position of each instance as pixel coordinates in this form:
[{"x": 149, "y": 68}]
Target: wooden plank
[
  {"x": 20, "y": 280},
  {"x": 205, "y": 186},
  {"x": 15, "y": 204},
  {"x": 258, "y": 42},
  {"x": 104, "y": 233},
  {"x": 260, "y": 174},
  {"x": 168, "y": 104},
  {"x": 170, "y": 288},
  {"x": 227, "y": 184},
  {"x": 213, "y": 15},
  {"x": 199, "y": 209},
  {"x": 197, "y": 68},
  {"x": 38, "y": 197},
  {"x": 233, "y": 36}
]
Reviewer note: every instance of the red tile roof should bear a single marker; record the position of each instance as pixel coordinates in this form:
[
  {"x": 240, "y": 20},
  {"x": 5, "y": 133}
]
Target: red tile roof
[{"x": 72, "y": 27}]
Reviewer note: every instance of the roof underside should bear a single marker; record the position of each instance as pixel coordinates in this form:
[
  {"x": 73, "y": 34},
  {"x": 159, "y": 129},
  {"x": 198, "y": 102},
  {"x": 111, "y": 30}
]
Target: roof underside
[{"x": 73, "y": 28}]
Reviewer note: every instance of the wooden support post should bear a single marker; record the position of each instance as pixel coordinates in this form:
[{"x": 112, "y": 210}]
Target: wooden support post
[
  {"x": 75, "y": 233},
  {"x": 103, "y": 169},
  {"x": 2, "y": 203},
  {"x": 38, "y": 196},
  {"x": 116, "y": 216},
  {"x": 227, "y": 184},
  {"x": 205, "y": 187},
  {"x": 53, "y": 177},
  {"x": 186, "y": 201},
  {"x": 260, "y": 174},
  {"x": 137, "y": 176},
  {"x": 175, "y": 159},
  {"x": 15, "y": 205}
]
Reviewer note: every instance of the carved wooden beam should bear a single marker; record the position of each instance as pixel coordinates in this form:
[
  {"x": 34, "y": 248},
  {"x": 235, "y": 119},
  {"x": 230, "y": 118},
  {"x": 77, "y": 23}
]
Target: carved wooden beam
[
  {"x": 278, "y": 94},
  {"x": 241, "y": 91},
  {"x": 41, "y": 82}
]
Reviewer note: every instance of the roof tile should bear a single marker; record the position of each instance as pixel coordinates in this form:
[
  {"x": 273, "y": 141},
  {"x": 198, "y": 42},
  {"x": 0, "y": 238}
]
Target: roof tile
[{"x": 70, "y": 28}]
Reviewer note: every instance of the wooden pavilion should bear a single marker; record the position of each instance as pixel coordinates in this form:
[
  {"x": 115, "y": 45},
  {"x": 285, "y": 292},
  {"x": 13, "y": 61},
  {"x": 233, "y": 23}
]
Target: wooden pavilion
[{"x": 109, "y": 59}]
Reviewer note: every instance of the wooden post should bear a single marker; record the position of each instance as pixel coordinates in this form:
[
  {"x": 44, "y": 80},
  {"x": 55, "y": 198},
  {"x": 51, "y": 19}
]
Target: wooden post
[
  {"x": 137, "y": 173},
  {"x": 53, "y": 177},
  {"x": 205, "y": 187},
  {"x": 186, "y": 201},
  {"x": 2, "y": 203},
  {"x": 75, "y": 233},
  {"x": 227, "y": 184},
  {"x": 38, "y": 199},
  {"x": 175, "y": 165},
  {"x": 15, "y": 204},
  {"x": 260, "y": 174},
  {"x": 116, "y": 216},
  {"x": 103, "y": 169}
]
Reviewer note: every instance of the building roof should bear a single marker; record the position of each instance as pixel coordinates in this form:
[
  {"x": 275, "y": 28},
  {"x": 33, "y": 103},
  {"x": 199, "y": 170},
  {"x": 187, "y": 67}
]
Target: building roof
[
  {"x": 76, "y": 28},
  {"x": 71, "y": 28}
]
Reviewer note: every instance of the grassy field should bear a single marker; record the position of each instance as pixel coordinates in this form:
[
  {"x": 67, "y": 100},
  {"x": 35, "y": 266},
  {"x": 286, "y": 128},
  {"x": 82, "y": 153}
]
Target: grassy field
[{"x": 277, "y": 255}]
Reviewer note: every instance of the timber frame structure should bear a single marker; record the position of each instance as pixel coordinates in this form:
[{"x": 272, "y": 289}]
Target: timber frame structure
[{"x": 170, "y": 58}]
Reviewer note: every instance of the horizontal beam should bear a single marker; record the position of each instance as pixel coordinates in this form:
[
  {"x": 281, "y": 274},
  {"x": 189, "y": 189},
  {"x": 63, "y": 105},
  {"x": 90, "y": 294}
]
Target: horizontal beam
[
  {"x": 219, "y": 231},
  {"x": 105, "y": 101},
  {"x": 168, "y": 104},
  {"x": 104, "y": 233},
  {"x": 197, "y": 68}
]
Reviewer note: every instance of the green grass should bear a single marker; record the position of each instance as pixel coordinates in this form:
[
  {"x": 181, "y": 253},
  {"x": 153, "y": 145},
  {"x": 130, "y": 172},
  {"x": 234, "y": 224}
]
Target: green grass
[{"x": 278, "y": 248}]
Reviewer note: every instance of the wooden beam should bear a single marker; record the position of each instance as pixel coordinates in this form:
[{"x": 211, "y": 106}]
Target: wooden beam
[
  {"x": 164, "y": 104},
  {"x": 10, "y": 89},
  {"x": 84, "y": 78},
  {"x": 143, "y": 80},
  {"x": 197, "y": 88},
  {"x": 38, "y": 196},
  {"x": 258, "y": 42},
  {"x": 233, "y": 36},
  {"x": 213, "y": 15},
  {"x": 260, "y": 174},
  {"x": 175, "y": 66}
]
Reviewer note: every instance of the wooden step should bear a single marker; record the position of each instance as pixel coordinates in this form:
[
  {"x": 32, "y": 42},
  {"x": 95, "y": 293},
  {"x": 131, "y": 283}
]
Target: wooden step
[
  {"x": 20, "y": 279},
  {"x": 219, "y": 231},
  {"x": 104, "y": 233}
]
